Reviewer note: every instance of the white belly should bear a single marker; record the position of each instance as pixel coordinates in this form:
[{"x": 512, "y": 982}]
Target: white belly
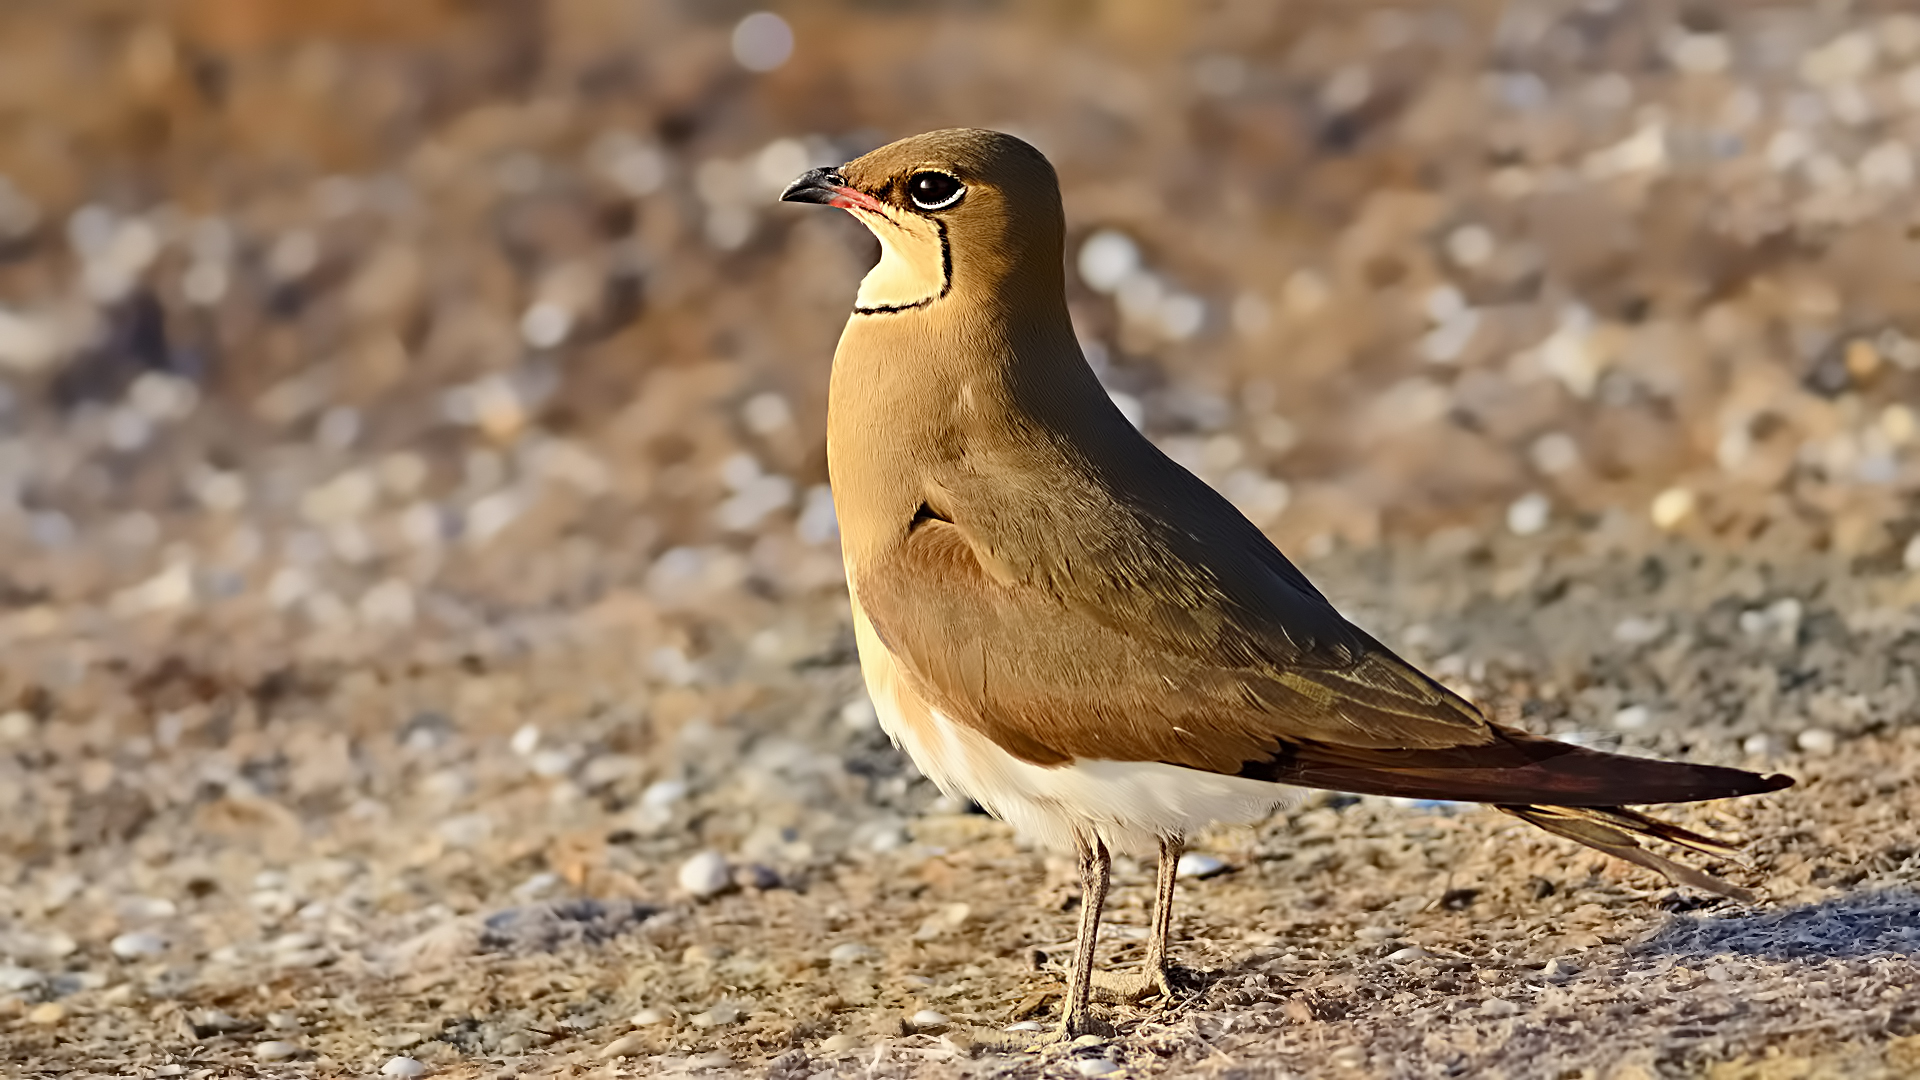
[{"x": 1129, "y": 805}]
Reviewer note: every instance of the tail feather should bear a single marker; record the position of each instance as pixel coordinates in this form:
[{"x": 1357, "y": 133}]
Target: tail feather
[{"x": 1612, "y": 831}]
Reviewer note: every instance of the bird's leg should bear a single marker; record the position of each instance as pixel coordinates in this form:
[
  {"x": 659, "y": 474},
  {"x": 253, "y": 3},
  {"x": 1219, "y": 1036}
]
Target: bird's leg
[
  {"x": 1153, "y": 978},
  {"x": 1096, "y": 868}
]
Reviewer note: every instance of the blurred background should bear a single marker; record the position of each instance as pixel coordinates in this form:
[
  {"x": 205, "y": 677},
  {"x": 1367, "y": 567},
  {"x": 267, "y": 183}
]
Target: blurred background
[
  {"x": 374, "y": 314},
  {"x": 446, "y": 369}
]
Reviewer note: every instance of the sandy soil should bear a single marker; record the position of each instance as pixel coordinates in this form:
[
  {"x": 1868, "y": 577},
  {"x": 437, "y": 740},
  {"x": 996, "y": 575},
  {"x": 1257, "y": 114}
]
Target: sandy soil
[{"x": 448, "y": 893}]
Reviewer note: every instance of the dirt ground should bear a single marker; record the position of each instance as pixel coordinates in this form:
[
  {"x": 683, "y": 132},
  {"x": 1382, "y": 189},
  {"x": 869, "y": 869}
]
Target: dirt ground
[
  {"x": 492, "y": 905},
  {"x": 423, "y": 648}
]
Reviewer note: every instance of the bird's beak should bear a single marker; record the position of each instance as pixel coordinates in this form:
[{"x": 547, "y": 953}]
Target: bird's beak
[{"x": 828, "y": 188}]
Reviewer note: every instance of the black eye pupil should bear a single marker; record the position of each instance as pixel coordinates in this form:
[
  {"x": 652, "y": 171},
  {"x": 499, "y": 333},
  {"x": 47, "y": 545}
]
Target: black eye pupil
[{"x": 932, "y": 190}]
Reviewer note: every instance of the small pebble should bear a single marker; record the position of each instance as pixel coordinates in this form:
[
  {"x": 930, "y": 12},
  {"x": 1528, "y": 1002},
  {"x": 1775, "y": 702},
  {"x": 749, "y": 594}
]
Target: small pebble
[
  {"x": 706, "y": 874},
  {"x": 1671, "y": 507},
  {"x": 276, "y": 1050},
  {"x": 1498, "y": 1007},
  {"x": 1094, "y": 1066},
  {"x": 720, "y": 1015},
  {"x": 1347, "y": 1057},
  {"x": 51, "y": 1012},
  {"x": 19, "y": 978},
  {"x": 1027, "y": 1025},
  {"x": 1199, "y": 864},
  {"x": 173, "y": 1069},
  {"x": 1407, "y": 955},
  {"x": 715, "y": 1060},
  {"x": 1528, "y": 514},
  {"x": 1633, "y": 718},
  {"x": 403, "y": 1066},
  {"x": 137, "y": 945},
  {"x": 649, "y": 1016},
  {"x": 848, "y": 952},
  {"x": 1816, "y": 741},
  {"x": 838, "y": 1043},
  {"x": 217, "y": 1020},
  {"x": 927, "y": 1018},
  {"x": 1559, "y": 970},
  {"x": 624, "y": 1046}
]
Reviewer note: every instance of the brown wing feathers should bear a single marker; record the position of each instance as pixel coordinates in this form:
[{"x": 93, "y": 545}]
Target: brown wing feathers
[{"x": 1080, "y": 667}]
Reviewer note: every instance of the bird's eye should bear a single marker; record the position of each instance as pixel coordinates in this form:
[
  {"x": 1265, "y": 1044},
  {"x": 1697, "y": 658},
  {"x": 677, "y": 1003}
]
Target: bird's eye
[{"x": 934, "y": 190}]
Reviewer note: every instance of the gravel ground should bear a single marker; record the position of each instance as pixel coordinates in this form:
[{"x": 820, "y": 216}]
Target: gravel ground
[
  {"x": 406, "y": 869},
  {"x": 423, "y": 647}
]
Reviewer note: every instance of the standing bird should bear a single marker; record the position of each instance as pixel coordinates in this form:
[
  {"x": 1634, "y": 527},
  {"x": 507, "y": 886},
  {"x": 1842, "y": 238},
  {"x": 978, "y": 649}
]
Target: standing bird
[{"x": 1057, "y": 621}]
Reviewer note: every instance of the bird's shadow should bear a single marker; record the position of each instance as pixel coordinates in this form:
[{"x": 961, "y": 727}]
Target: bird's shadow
[
  {"x": 1852, "y": 927},
  {"x": 1845, "y": 927}
]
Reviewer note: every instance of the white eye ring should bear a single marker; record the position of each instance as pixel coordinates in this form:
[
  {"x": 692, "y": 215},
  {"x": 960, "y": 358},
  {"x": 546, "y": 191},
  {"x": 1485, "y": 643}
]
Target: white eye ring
[{"x": 959, "y": 190}]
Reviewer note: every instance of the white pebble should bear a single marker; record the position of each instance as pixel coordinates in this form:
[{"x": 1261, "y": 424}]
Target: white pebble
[
  {"x": 761, "y": 42},
  {"x": 1632, "y": 718},
  {"x": 1094, "y": 1066},
  {"x": 136, "y": 945},
  {"x": 1106, "y": 259},
  {"x": 1199, "y": 864},
  {"x": 927, "y": 1018},
  {"x": 1528, "y": 514},
  {"x": 1499, "y": 1007},
  {"x": 649, "y": 1016},
  {"x": 624, "y": 1046},
  {"x": 715, "y": 1060},
  {"x": 1816, "y": 741},
  {"x": 852, "y": 952},
  {"x": 722, "y": 1014},
  {"x": 1910, "y": 558},
  {"x": 1757, "y": 744},
  {"x": 525, "y": 739},
  {"x": 276, "y": 1050},
  {"x": 1026, "y": 1025},
  {"x": 403, "y": 1066},
  {"x": 706, "y": 874},
  {"x": 1407, "y": 955},
  {"x": 1639, "y": 629},
  {"x": 1560, "y": 970},
  {"x": 19, "y": 978}
]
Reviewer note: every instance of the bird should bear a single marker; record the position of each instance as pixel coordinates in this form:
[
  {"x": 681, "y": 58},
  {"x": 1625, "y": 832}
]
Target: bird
[{"x": 1058, "y": 622}]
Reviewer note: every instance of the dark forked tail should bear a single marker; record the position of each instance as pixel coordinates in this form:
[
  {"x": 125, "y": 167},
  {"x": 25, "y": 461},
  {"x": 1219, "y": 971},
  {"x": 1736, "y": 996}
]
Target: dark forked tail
[
  {"x": 1612, "y": 830},
  {"x": 1570, "y": 791}
]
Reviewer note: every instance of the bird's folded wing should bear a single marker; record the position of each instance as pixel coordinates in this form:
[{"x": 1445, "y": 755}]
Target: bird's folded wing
[
  {"x": 1127, "y": 649},
  {"x": 1209, "y": 652}
]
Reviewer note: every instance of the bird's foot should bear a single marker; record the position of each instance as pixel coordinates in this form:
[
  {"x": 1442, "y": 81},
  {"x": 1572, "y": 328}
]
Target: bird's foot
[
  {"x": 1134, "y": 986},
  {"x": 1031, "y": 1037}
]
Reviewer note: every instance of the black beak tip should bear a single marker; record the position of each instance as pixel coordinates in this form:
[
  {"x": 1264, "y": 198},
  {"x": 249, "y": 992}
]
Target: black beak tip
[{"x": 814, "y": 186}]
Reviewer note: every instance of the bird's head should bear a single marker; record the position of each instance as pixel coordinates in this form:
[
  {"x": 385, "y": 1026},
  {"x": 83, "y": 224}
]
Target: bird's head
[{"x": 964, "y": 212}]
